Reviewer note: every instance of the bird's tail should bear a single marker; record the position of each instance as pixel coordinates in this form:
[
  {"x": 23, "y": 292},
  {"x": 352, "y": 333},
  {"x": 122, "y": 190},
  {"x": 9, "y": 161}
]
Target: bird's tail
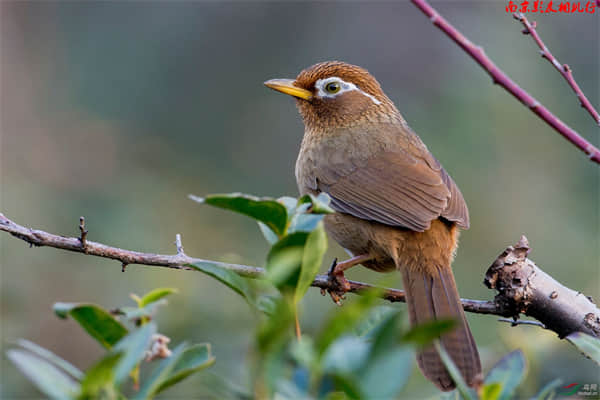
[{"x": 431, "y": 294}]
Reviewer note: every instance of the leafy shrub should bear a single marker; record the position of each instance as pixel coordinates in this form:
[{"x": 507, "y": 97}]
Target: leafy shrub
[{"x": 362, "y": 350}]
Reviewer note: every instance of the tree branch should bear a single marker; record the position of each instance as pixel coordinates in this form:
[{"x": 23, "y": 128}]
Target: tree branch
[
  {"x": 533, "y": 293},
  {"x": 500, "y": 78},
  {"x": 523, "y": 288},
  {"x": 36, "y": 237},
  {"x": 564, "y": 70}
]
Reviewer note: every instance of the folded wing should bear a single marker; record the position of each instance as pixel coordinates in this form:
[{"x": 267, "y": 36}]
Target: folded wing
[{"x": 397, "y": 189}]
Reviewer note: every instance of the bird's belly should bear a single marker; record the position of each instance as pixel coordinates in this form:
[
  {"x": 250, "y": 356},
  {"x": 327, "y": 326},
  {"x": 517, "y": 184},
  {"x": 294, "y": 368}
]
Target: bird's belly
[{"x": 357, "y": 236}]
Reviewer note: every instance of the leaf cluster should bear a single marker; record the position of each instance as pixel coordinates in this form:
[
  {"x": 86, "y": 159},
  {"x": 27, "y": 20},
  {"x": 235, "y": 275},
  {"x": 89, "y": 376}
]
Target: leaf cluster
[
  {"x": 361, "y": 351},
  {"x": 128, "y": 335}
]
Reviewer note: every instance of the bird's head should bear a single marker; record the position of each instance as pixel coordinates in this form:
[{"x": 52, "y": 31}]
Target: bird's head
[{"x": 336, "y": 94}]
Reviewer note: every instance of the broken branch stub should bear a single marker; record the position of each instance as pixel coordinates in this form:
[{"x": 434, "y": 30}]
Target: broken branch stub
[{"x": 523, "y": 288}]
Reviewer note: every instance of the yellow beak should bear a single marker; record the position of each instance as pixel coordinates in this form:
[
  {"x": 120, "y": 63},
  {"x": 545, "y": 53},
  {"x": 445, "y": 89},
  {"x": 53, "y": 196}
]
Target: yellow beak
[{"x": 287, "y": 86}]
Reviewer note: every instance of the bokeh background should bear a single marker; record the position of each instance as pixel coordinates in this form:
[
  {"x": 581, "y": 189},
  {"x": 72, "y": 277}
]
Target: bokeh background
[{"x": 116, "y": 111}]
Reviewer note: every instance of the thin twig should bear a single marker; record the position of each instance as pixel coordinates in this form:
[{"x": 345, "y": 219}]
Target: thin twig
[
  {"x": 178, "y": 245},
  {"x": 564, "y": 70},
  {"x": 500, "y": 78},
  {"x": 514, "y": 322},
  {"x": 82, "y": 233},
  {"x": 547, "y": 302},
  {"x": 181, "y": 261}
]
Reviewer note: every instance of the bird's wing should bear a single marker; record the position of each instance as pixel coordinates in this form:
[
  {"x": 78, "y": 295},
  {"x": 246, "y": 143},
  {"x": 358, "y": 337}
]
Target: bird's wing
[
  {"x": 456, "y": 210},
  {"x": 398, "y": 189}
]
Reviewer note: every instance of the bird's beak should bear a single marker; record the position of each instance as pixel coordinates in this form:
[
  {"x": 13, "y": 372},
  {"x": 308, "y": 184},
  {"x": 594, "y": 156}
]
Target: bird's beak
[{"x": 287, "y": 86}]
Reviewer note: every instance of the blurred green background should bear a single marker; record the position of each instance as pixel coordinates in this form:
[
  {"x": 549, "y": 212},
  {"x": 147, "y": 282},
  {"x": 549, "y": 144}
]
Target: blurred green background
[{"x": 116, "y": 111}]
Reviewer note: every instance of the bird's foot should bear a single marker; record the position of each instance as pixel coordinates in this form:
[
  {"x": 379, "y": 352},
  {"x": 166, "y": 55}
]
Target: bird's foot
[{"x": 339, "y": 285}]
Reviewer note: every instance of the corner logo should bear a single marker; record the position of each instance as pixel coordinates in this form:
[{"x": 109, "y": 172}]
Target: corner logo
[
  {"x": 570, "y": 389},
  {"x": 580, "y": 389}
]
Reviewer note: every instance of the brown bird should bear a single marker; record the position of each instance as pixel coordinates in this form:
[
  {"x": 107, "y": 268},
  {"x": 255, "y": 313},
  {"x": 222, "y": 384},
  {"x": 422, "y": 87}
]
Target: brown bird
[{"x": 397, "y": 208}]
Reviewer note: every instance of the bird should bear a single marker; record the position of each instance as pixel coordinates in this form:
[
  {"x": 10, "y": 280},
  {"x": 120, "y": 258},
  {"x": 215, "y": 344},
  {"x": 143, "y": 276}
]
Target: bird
[{"x": 396, "y": 207}]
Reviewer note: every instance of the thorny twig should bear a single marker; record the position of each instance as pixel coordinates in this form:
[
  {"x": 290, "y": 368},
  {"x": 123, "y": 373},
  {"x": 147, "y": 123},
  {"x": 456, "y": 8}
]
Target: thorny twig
[
  {"x": 500, "y": 78},
  {"x": 182, "y": 261},
  {"x": 82, "y": 233},
  {"x": 511, "y": 258},
  {"x": 564, "y": 69},
  {"x": 178, "y": 245}
]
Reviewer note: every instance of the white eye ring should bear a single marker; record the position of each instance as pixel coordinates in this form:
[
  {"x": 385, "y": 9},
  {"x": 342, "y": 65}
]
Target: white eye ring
[{"x": 322, "y": 92}]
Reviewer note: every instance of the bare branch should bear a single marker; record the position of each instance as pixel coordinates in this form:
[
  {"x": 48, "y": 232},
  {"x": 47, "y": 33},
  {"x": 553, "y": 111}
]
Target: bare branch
[
  {"x": 500, "y": 78},
  {"x": 523, "y": 288},
  {"x": 564, "y": 70},
  {"x": 547, "y": 295}
]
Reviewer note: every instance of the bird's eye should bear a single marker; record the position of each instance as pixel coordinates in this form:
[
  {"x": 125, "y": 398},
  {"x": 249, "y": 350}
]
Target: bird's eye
[{"x": 333, "y": 87}]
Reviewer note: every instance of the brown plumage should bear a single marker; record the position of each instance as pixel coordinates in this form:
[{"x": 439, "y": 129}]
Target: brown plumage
[{"x": 395, "y": 203}]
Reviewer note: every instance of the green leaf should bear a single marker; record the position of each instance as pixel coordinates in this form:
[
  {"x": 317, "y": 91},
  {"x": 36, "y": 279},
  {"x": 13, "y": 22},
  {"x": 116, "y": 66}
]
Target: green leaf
[
  {"x": 304, "y": 222},
  {"x": 303, "y": 352},
  {"x": 588, "y": 345},
  {"x": 50, "y": 380},
  {"x": 377, "y": 316},
  {"x": 273, "y": 331},
  {"x": 287, "y": 390},
  {"x": 509, "y": 372},
  {"x": 349, "y": 385},
  {"x": 155, "y": 295},
  {"x": 96, "y": 321},
  {"x": 319, "y": 204},
  {"x": 466, "y": 392},
  {"x": 268, "y": 303},
  {"x": 346, "y": 319},
  {"x": 52, "y": 358},
  {"x": 135, "y": 313},
  {"x": 424, "y": 334},
  {"x": 309, "y": 213},
  {"x": 384, "y": 337},
  {"x": 314, "y": 250},
  {"x": 390, "y": 362},
  {"x": 160, "y": 374},
  {"x": 548, "y": 390},
  {"x": 272, "y": 368},
  {"x": 193, "y": 359},
  {"x": 99, "y": 382},
  {"x": 283, "y": 267},
  {"x": 133, "y": 348},
  {"x": 266, "y": 210},
  {"x": 345, "y": 355},
  {"x": 227, "y": 277},
  {"x": 221, "y": 388},
  {"x": 289, "y": 203},
  {"x": 269, "y": 235},
  {"x": 491, "y": 391},
  {"x": 387, "y": 373},
  {"x": 336, "y": 396},
  {"x": 285, "y": 260}
]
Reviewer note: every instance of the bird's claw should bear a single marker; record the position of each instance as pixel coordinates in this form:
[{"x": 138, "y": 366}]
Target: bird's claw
[{"x": 339, "y": 284}]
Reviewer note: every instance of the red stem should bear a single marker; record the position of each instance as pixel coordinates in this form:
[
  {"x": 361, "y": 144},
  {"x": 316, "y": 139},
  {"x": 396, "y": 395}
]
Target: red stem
[
  {"x": 564, "y": 70},
  {"x": 500, "y": 78}
]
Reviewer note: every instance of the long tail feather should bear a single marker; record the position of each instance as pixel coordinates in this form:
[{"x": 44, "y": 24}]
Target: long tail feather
[{"x": 433, "y": 296}]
